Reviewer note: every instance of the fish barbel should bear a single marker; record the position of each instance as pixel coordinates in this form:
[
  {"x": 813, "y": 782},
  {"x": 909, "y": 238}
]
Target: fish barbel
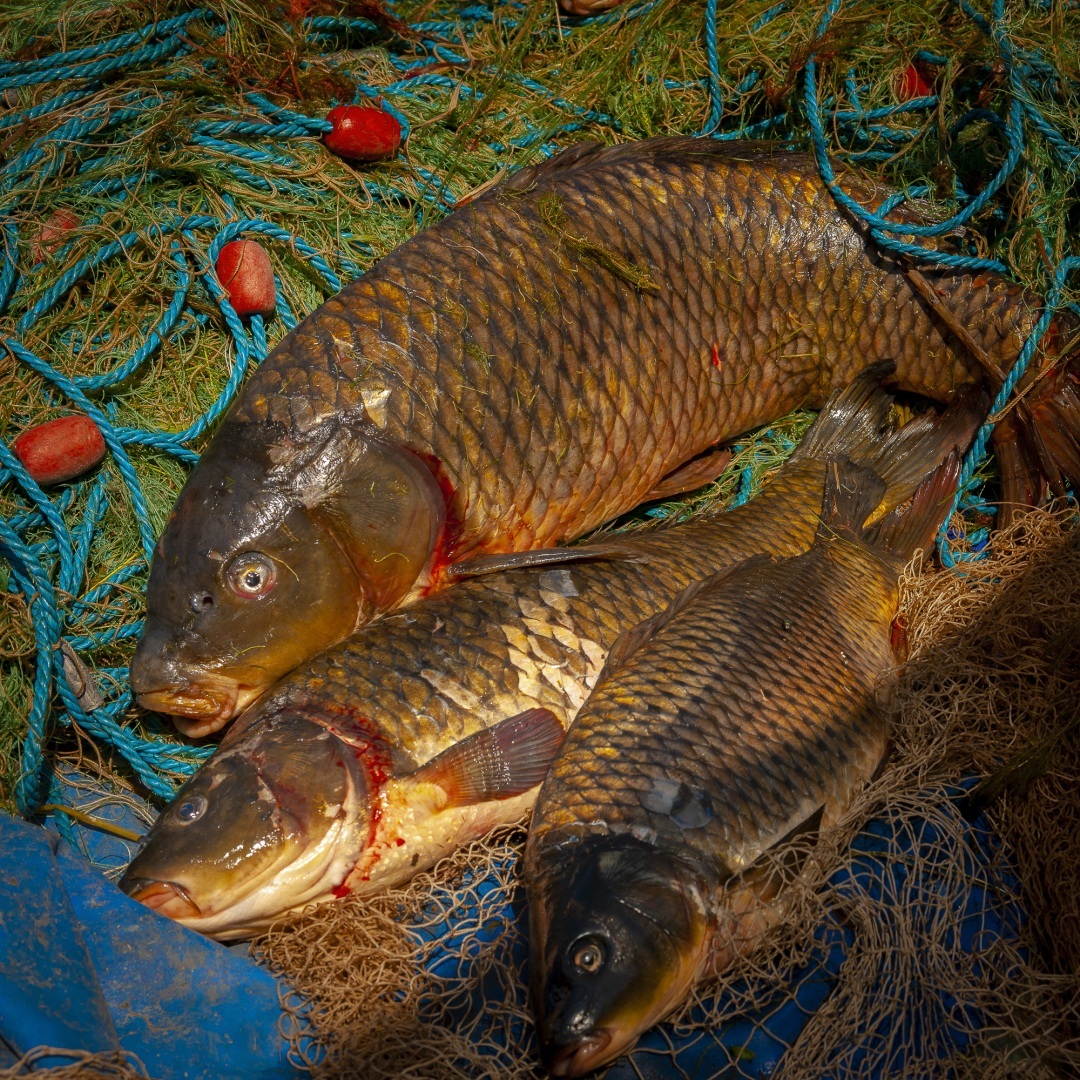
[
  {"x": 358, "y": 770},
  {"x": 566, "y": 346},
  {"x": 747, "y": 714}
]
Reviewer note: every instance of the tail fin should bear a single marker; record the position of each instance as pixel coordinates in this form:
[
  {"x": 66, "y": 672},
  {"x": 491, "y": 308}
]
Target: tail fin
[
  {"x": 1055, "y": 418},
  {"x": 853, "y": 492},
  {"x": 856, "y": 424},
  {"x": 853, "y": 421},
  {"x": 1038, "y": 443},
  {"x": 907, "y": 457},
  {"x": 913, "y": 528}
]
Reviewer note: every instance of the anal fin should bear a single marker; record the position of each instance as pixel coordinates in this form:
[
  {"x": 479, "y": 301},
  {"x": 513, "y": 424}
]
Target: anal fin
[{"x": 499, "y": 762}]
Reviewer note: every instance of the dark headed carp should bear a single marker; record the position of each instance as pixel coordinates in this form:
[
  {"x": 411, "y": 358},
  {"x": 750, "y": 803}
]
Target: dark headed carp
[
  {"x": 549, "y": 356},
  {"x": 750, "y": 712},
  {"x": 367, "y": 764}
]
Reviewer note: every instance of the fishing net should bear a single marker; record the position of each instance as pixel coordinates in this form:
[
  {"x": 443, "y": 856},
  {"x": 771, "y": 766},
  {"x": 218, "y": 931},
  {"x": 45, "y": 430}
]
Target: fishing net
[
  {"x": 84, "y": 1066},
  {"x": 137, "y": 140},
  {"x": 935, "y": 931}
]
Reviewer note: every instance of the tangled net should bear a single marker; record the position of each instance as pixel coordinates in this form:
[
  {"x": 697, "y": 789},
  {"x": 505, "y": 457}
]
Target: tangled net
[{"x": 916, "y": 944}]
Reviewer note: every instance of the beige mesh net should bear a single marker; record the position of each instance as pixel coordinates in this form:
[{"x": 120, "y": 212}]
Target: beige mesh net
[
  {"x": 901, "y": 951},
  {"x": 939, "y": 972}
]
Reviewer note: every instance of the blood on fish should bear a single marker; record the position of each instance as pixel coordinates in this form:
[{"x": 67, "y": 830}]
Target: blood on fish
[
  {"x": 444, "y": 553},
  {"x": 715, "y": 355},
  {"x": 340, "y": 890}
]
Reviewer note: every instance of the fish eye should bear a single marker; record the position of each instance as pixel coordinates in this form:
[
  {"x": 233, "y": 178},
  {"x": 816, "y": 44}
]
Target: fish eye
[
  {"x": 251, "y": 575},
  {"x": 191, "y": 809},
  {"x": 589, "y": 956}
]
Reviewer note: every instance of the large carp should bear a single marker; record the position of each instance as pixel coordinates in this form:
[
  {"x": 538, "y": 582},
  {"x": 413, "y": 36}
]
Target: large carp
[
  {"x": 436, "y": 723},
  {"x": 750, "y": 712},
  {"x": 561, "y": 349}
]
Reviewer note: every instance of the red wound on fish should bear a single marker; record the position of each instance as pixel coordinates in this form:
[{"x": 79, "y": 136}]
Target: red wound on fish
[
  {"x": 715, "y": 355},
  {"x": 898, "y": 637},
  {"x": 362, "y": 133},
  {"x": 444, "y": 554},
  {"x": 339, "y": 891},
  {"x": 499, "y": 762}
]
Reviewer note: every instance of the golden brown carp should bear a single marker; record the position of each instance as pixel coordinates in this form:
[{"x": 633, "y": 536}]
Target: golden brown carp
[
  {"x": 749, "y": 712},
  {"x": 378, "y": 757},
  {"x": 547, "y": 357}
]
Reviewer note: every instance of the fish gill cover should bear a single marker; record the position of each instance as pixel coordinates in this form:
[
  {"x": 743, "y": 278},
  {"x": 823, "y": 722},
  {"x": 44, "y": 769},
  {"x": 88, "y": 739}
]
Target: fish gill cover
[{"x": 138, "y": 140}]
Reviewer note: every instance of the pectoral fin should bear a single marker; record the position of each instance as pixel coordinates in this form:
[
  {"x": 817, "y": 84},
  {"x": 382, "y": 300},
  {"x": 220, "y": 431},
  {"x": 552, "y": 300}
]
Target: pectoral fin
[
  {"x": 695, "y": 473},
  {"x": 497, "y": 763},
  {"x": 516, "y": 560}
]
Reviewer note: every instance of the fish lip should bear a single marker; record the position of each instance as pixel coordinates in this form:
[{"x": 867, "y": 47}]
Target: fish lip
[
  {"x": 580, "y": 1057},
  {"x": 168, "y": 898},
  {"x": 202, "y": 708}
]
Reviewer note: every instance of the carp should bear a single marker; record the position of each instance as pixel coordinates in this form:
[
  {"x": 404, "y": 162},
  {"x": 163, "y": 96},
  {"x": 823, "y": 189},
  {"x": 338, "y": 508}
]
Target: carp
[
  {"x": 570, "y": 344},
  {"x": 746, "y": 715},
  {"x": 433, "y": 725}
]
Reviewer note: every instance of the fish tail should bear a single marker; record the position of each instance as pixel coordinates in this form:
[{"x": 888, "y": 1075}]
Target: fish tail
[
  {"x": 913, "y": 528},
  {"x": 853, "y": 421},
  {"x": 906, "y": 457},
  {"x": 1055, "y": 426},
  {"x": 856, "y": 424},
  {"x": 852, "y": 492}
]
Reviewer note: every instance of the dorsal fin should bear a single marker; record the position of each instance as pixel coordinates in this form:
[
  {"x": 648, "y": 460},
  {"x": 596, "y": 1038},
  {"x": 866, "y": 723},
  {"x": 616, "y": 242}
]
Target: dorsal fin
[
  {"x": 564, "y": 162},
  {"x": 589, "y": 155}
]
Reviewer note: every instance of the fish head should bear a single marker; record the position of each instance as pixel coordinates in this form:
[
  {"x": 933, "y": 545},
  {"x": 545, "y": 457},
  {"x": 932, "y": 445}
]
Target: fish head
[
  {"x": 264, "y": 826},
  {"x": 619, "y": 933},
  {"x": 270, "y": 556}
]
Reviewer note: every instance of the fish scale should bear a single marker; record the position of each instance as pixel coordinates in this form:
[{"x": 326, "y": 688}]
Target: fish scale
[{"x": 734, "y": 240}]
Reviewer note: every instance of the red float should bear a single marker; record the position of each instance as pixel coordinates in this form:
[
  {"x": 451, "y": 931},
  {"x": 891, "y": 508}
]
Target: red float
[
  {"x": 60, "y": 449},
  {"x": 247, "y": 275},
  {"x": 53, "y": 233},
  {"x": 913, "y": 84},
  {"x": 362, "y": 133}
]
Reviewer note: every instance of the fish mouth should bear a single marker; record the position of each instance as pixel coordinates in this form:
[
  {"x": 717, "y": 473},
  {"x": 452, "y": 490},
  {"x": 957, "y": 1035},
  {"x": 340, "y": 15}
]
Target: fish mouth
[
  {"x": 581, "y": 1057},
  {"x": 165, "y": 897},
  {"x": 201, "y": 709}
]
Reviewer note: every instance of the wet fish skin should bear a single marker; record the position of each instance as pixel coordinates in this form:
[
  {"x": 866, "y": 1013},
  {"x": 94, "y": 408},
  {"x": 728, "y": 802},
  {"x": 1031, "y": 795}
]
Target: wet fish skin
[
  {"x": 753, "y": 709},
  {"x": 529, "y": 368}
]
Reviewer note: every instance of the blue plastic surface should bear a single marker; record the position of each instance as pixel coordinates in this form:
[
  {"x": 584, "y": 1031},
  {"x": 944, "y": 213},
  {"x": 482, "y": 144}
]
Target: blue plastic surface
[{"x": 84, "y": 967}]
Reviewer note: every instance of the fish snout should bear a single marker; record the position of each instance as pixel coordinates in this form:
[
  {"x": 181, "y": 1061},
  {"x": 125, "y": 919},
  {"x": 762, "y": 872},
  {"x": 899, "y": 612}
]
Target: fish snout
[
  {"x": 166, "y": 897},
  {"x": 579, "y": 1057},
  {"x": 201, "y": 702}
]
